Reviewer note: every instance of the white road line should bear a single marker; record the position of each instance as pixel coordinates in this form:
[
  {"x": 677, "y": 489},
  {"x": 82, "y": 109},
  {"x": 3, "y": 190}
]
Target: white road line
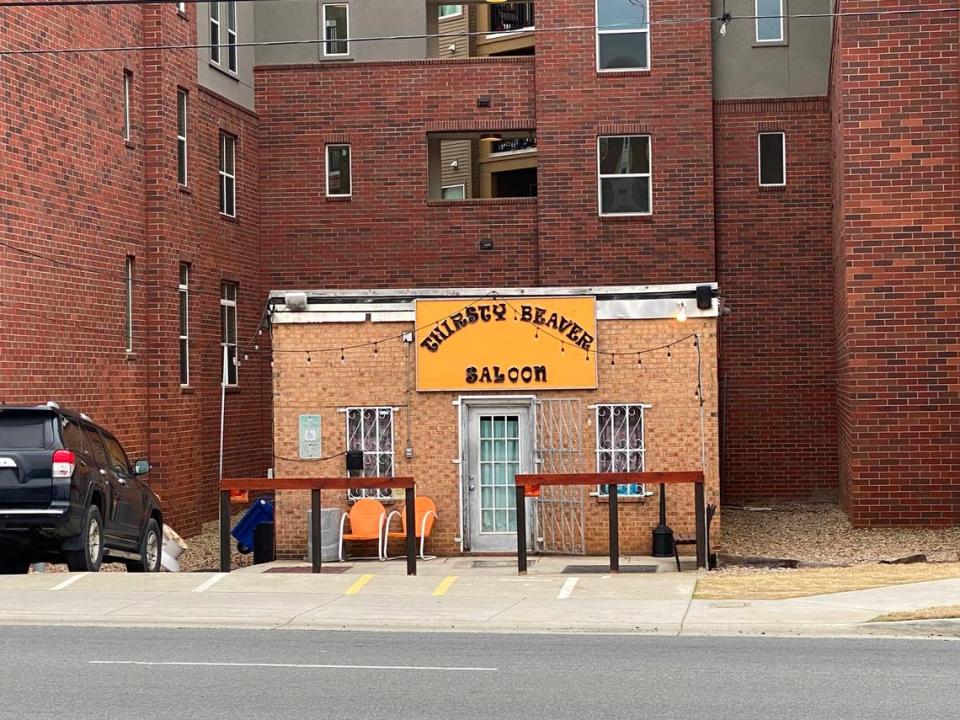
[
  {"x": 69, "y": 581},
  {"x": 567, "y": 588},
  {"x": 209, "y": 582},
  {"x": 288, "y": 665}
]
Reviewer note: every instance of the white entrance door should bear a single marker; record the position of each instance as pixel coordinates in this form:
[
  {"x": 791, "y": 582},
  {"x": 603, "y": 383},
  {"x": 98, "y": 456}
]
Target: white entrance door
[{"x": 500, "y": 445}]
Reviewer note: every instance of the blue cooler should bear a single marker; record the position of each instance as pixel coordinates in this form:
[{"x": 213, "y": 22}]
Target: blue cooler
[{"x": 260, "y": 512}]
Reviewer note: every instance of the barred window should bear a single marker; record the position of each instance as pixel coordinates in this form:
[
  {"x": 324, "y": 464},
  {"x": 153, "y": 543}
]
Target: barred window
[
  {"x": 620, "y": 445},
  {"x": 370, "y": 430}
]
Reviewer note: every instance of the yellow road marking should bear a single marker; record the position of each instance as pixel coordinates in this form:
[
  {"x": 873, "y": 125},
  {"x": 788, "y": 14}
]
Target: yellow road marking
[
  {"x": 444, "y": 585},
  {"x": 358, "y": 585}
]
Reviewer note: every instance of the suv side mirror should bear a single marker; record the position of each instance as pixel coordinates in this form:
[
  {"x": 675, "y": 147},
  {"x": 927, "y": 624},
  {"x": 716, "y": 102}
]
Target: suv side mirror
[{"x": 141, "y": 467}]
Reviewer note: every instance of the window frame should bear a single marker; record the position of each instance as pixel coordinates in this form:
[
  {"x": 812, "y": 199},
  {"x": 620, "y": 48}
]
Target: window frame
[
  {"x": 183, "y": 106},
  {"x": 182, "y": 8},
  {"x": 228, "y": 179},
  {"x": 463, "y": 191},
  {"x": 128, "y": 270},
  {"x": 233, "y": 368},
  {"x": 326, "y": 171},
  {"x": 127, "y": 86},
  {"x": 233, "y": 61},
  {"x": 648, "y": 175},
  {"x": 381, "y": 494},
  {"x": 598, "y": 32},
  {"x": 783, "y": 150},
  {"x": 213, "y": 26},
  {"x": 183, "y": 307},
  {"x": 601, "y": 490},
  {"x": 441, "y": 16},
  {"x": 323, "y": 29},
  {"x": 756, "y": 25}
]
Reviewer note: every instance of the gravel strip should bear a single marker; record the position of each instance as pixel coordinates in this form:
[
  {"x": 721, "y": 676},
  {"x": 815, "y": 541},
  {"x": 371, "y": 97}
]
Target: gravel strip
[{"x": 821, "y": 533}]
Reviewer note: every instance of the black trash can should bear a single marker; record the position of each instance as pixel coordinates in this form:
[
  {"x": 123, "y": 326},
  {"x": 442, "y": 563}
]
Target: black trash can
[{"x": 263, "y": 543}]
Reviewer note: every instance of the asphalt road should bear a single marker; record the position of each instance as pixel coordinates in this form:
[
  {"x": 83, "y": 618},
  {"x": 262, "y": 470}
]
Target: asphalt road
[{"x": 131, "y": 673}]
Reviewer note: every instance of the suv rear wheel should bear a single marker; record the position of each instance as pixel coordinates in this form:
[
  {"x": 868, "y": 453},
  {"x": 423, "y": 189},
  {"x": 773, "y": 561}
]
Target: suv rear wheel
[
  {"x": 90, "y": 554},
  {"x": 150, "y": 547}
]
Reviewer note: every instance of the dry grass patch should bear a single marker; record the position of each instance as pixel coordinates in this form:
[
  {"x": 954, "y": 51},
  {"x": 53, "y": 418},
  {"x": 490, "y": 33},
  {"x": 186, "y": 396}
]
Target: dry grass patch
[
  {"x": 784, "y": 584},
  {"x": 950, "y": 612}
]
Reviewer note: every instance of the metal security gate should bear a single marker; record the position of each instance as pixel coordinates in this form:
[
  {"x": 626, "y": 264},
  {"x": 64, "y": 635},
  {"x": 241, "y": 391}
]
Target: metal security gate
[{"x": 559, "y": 509}]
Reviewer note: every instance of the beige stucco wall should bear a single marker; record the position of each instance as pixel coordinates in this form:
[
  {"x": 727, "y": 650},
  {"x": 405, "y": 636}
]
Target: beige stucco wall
[{"x": 386, "y": 377}]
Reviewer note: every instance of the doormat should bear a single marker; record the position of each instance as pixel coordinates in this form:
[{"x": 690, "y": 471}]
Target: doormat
[
  {"x": 604, "y": 569},
  {"x": 324, "y": 569}
]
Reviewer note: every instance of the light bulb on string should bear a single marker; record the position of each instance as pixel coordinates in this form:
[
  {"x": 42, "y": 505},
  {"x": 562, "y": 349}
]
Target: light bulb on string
[
  {"x": 669, "y": 355},
  {"x": 536, "y": 334},
  {"x": 308, "y": 357},
  {"x": 375, "y": 350},
  {"x": 681, "y": 312},
  {"x": 639, "y": 360},
  {"x": 563, "y": 346},
  {"x": 342, "y": 358},
  {"x": 613, "y": 359}
]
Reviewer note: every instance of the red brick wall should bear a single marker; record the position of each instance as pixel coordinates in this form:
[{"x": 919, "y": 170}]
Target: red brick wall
[
  {"x": 387, "y": 234},
  {"x": 673, "y": 103},
  {"x": 896, "y": 104},
  {"x": 774, "y": 249},
  {"x": 73, "y": 190}
]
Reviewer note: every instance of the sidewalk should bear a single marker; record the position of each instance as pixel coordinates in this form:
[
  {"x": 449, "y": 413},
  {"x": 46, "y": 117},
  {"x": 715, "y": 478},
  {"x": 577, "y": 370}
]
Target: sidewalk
[{"x": 462, "y": 593}]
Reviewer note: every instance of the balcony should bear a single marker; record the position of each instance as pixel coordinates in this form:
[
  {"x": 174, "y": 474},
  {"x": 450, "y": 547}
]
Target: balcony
[
  {"x": 503, "y": 27},
  {"x": 482, "y": 166}
]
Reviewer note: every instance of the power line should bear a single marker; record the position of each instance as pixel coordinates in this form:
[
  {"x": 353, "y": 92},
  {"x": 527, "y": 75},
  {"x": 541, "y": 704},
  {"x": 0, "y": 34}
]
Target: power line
[{"x": 725, "y": 19}]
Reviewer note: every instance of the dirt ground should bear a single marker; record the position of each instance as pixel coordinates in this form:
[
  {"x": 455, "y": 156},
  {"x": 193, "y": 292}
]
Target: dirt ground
[
  {"x": 803, "y": 582},
  {"x": 821, "y": 533}
]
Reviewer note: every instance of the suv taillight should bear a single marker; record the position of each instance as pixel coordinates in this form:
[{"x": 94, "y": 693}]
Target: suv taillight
[{"x": 64, "y": 461}]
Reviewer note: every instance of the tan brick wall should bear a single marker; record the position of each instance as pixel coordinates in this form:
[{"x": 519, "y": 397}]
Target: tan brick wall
[{"x": 386, "y": 377}]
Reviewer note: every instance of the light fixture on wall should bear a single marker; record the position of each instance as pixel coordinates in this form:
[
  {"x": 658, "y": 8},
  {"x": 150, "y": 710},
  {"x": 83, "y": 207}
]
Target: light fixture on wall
[{"x": 455, "y": 164}]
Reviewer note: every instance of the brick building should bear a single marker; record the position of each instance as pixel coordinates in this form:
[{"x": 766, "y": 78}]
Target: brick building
[{"x": 807, "y": 167}]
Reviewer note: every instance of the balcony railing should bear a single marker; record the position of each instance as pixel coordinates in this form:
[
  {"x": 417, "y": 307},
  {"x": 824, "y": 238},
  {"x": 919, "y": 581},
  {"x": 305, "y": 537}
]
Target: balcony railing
[{"x": 509, "y": 17}]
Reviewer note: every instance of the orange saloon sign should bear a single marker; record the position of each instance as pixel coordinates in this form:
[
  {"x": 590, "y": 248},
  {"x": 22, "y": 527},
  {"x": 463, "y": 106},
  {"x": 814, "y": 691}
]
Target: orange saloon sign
[{"x": 546, "y": 343}]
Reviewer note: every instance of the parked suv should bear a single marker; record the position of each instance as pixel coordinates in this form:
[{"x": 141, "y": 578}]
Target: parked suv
[{"x": 69, "y": 494}]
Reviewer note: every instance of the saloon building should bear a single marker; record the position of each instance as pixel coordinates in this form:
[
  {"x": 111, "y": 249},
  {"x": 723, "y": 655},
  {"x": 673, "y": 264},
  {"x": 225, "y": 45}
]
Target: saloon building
[{"x": 272, "y": 182}]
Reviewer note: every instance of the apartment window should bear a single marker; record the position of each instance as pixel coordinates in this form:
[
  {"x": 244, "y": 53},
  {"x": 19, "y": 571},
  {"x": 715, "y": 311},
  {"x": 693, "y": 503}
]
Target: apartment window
[
  {"x": 623, "y": 35},
  {"x": 182, "y": 7},
  {"x": 215, "y": 32},
  {"x": 183, "y": 294},
  {"x": 511, "y": 16},
  {"x": 228, "y": 328},
  {"x": 228, "y": 175},
  {"x": 338, "y": 170},
  {"x": 370, "y": 430},
  {"x": 182, "y": 136},
  {"x": 769, "y": 20},
  {"x": 625, "y": 183},
  {"x": 128, "y": 310},
  {"x": 453, "y": 192},
  {"x": 620, "y": 444},
  {"x": 232, "y": 36},
  {"x": 449, "y": 11},
  {"x": 772, "y": 152},
  {"x": 336, "y": 19},
  {"x": 127, "y": 87}
]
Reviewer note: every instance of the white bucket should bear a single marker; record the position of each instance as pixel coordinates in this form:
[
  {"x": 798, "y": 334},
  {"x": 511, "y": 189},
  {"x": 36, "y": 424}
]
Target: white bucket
[{"x": 173, "y": 547}]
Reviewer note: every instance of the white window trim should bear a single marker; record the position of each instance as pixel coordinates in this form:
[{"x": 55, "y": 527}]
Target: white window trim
[
  {"x": 224, "y": 302},
  {"x": 783, "y": 147},
  {"x": 601, "y": 177},
  {"x": 232, "y": 38},
  {"x": 128, "y": 309},
  {"x": 224, "y": 174},
  {"x": 601, "y": 488},
  {"x": 599, "y": 32},
  {"x": 392, "y": 453},
  {"x": 323, "y": 30},
  {"x": 127, "y": 82},
  {"x": 326, "y": 168},
  {"x": 182, "y": 7},
  {"x": 756, "y": 24},
  {"x": 184, "y": 97},
  {"x": 215, "y": 35},
  {"x": 458, "y": 13},
  {"x": 462, "y": 186},
  {"x": 183, "y": 292}
]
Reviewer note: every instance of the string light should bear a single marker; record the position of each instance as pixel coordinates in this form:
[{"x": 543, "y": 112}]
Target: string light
[
  {"x": 681, "y": 312},
  {"x": 639, "y": 359},
  {"x": 342, "y": 358},
  {"x": 308, "y": 357},
  {"x": 375, "y": 351}
]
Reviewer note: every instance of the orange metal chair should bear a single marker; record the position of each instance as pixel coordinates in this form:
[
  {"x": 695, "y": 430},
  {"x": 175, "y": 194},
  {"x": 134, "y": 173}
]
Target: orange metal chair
[
  {"x": 368, "y": 521},
  {"x": 426, "y": 513}
]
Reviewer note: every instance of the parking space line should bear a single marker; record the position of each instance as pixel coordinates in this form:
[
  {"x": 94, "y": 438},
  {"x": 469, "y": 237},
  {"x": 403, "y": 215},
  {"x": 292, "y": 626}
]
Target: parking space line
[
  {"x": 69, "y": 581},
  {"x": 358, "y": 585},
  {"x": 444, "y": 585},
  {"x": 209, "y": 582},
  {"x": 567, "y": 588},
  {"x": 150, "y": 663}
]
